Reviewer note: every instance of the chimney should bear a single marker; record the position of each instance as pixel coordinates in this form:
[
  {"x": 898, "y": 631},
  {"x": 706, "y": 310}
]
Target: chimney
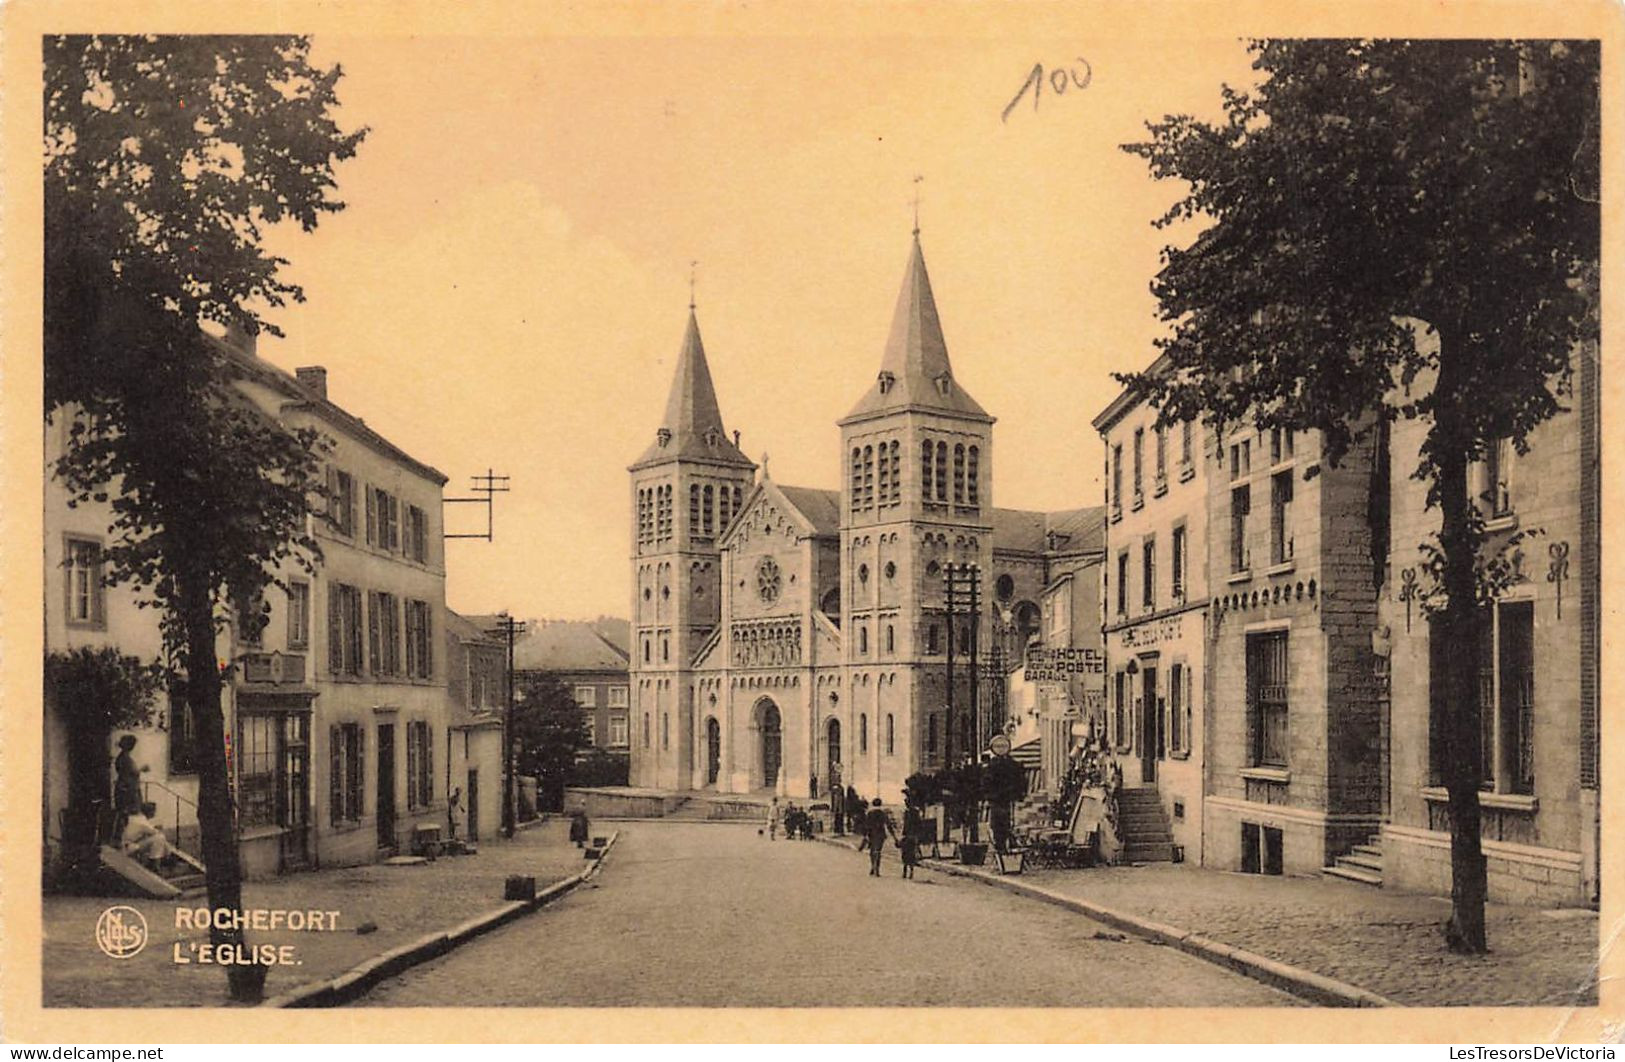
[{"x": 313, "y": 378}]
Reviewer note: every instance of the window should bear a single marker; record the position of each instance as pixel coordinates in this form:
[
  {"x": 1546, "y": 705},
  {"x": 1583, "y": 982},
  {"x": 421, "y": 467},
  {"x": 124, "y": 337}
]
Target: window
[
  {"x": 891, "y": 734},
  {"x": 589, "y": 727},
  {"x": 417, "y": 534},
  {"x": 645, "y": 729},
  {"x": 344, "y": 655},
  {"x": 891, "y": 638},
  {"x": 725, "y": 508},
  {"x": 1281, "y": 517},
  {"x": 1161, "y": 446},
  {"x": 1186, "y": 431},
  {"x": 384, "y": 632},
  {"x": 1281, "y": 446},
  {"x": 708, "y": 512},
  {"x": 1240, "y": 505},
  {"x": 647, "y": 649},
  {"x": 959, "y": 474},
  {"x": 1497, "y": 478},
  {"x": 1504, "y": 653},
  {"x": 931, "y": 639},
  {"x": 926, "y": 476},
  {"x": 587, "y": 696},
  {"x": 868, "y": 477},
  {"x": 617, "y": 731},
  {"x": 964, "y": 639},
  {"x": 182, "y": 734},
  {"x": 273, "y": 761},
  {"x": 1139, "y": 465},
  {"x": 665, "y": 648},
  {"x": 383, "y": 519},
  {"x": 341, "y": 502},
  {"x": 618, "y": 697},
  {"x": 885, "y": 475},
  {"x": 298, "y": 615},
  {"x": 973, "y": 471},
  {"x": 1176, "y": 572},
  {"x": 84, "y": 582},
  {"x": 1117, "y": 480},
  {"x": 931, "y": 733},
  {"x": 863, "y": 640},
  {"x": 251, "y": 619},
  {"x": 1148, "y": 575},
  {"x": 419, "y": 766},
  {"x": 665, "y": 730},
  {"x": 942, "y": 472},
  {"x": 1241, "y": 459},
  {"x": 863, "y": 732},
  {"x": 1176, "y": 710},
  {"x": 419, "y": 640},
  {"x": 346, "y": 782},
  {"x": 1267, "y": 671},
  {"x": 1122, "y": 583}
]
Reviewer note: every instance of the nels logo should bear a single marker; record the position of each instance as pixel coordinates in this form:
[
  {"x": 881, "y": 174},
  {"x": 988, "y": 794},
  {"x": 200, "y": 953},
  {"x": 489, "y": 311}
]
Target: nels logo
[{"x": 121, "y": 931}]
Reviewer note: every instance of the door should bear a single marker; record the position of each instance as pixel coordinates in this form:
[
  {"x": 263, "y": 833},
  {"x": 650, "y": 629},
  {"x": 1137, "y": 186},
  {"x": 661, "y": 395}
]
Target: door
[
  {"x": 832, "y": 762},
  {"x": 1150, "y": 727},
  {"x": 770, "y": 745},
  {"x": 471, "y": 799},
  {"x": 386, "y": 785},
  {"x": 713, "y": 751},
  {"x": 294, "y": 785}
]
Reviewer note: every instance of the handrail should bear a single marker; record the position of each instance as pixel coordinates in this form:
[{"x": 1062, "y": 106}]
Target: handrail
[{"x": 149, "y": 783}]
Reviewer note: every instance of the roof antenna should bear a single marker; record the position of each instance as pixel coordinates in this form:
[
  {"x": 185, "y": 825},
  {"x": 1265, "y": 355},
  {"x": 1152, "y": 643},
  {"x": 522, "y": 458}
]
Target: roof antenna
[
  {"x": 917, "y": 180},
  {"x": 692, "y": 265}
]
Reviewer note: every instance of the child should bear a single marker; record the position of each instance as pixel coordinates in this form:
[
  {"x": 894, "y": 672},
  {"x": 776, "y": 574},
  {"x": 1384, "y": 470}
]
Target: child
[{"x": 909, "y": 843}]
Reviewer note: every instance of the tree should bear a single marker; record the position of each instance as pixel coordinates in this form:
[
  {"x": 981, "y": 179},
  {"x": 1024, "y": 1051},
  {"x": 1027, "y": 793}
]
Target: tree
[
  {"x": 1367, "y": 193},
  {"x": 166, "y": 159},
  {"x": 550, "y": 729}
]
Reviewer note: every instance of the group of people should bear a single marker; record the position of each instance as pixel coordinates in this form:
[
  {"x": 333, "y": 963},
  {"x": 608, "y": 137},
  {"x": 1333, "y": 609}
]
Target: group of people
[
  {"x": 134, "y": 831},
  {"x": 878, "y": 824},
  {"x": 797, "y": 822}
]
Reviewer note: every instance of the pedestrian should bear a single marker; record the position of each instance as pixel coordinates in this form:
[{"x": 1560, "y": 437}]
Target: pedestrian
[
  {"x": 908, "y": 844},
  {"x": 454, "y": 813},
  {"x": 876, "y": 825},
  {"x": 854, "y": 808},
  {"x": 142, "y": 840},
  {"x": 773, "y": 820},
  {"x": 580, "y": 828},
  {"x": 126, "y": 786}
]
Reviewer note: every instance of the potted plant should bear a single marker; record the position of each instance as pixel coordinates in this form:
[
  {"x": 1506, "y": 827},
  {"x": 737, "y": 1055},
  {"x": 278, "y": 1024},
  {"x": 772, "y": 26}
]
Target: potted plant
[
  {"x": 964, "y": 799},
  {"x": 1003, "y": 783}
]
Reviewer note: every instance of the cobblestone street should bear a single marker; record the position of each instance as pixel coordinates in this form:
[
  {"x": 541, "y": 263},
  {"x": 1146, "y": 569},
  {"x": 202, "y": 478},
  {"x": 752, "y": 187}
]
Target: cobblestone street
[{"x": 715, "y": 915}]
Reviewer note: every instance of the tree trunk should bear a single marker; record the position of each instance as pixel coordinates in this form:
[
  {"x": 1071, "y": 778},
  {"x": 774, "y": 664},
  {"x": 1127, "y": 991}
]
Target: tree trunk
[
  {"x": 223, "y": 871},
  {"x": 1463, "y": 764}
]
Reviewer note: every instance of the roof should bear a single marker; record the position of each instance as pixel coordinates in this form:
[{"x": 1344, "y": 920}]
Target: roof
[
  {"x": 693, "y": 418},
  {"x": 567, "y": 645},
  {"x": 822, "y": 508},
  {"x": 915, "y": 372},
  {"x": 1127, "y": 398},
  {"x": 1067, "y": 530},
  {"x": 465, "y": 629}
]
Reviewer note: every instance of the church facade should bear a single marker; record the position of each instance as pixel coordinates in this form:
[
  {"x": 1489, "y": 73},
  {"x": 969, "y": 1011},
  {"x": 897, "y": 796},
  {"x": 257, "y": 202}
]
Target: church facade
[{"x": 787, "y": 638}]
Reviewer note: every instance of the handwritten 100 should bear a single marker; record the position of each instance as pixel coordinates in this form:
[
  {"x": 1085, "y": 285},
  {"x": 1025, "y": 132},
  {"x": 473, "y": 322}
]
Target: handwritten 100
[{"x": 1059, "y": 81}]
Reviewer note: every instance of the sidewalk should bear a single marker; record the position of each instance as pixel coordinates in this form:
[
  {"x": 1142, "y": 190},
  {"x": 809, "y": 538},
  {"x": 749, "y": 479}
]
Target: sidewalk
[
  {"x": 403, "y": 902},
  {"x": 1384, "y": 942}
]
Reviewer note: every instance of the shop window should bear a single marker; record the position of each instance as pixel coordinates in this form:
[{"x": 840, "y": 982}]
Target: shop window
[
  {"x": 1267, "y": 688},
  {"x": 272, "y": 761}
]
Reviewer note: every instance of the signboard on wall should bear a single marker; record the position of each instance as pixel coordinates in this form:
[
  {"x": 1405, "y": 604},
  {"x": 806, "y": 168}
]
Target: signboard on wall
[
  {"x": 1059, "y": 665},
  {"x": 1155, "y": 632}
]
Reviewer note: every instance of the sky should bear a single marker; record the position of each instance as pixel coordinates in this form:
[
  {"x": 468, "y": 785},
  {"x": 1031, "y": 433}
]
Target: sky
[{"x": 509, "y": 283}]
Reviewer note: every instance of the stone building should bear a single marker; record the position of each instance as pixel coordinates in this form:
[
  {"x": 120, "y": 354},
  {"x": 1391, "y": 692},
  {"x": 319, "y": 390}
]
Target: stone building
[
  {"x": 592, "y": 667},
  {"x": 336, "y": 710},
  {"x": 781, "y": 631},
  {"x": 1156, "y": 617},
  {"x": 1293, "y": 749},
  {"x": 1537, "y": 659},
  {"x": 477, "y": 687}
]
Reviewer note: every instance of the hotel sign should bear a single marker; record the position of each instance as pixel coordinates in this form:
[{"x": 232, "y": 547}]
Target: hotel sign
[
  {"x": 1059, "y": 665},
  {"x": 1146, "y": 635}
]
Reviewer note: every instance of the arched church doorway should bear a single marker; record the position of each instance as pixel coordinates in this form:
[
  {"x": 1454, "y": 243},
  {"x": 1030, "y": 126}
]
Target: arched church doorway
[
  {"x": 769, "y": 743},
  {"x": 713, "y": 750}
]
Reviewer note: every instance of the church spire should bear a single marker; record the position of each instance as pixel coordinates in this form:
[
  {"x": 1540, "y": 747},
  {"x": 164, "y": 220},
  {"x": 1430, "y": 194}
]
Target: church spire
[
  {"x": 692, "y": 426},
  {"x": 915, "y": 371}
]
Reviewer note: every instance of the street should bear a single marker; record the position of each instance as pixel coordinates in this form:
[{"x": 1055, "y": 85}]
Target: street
[{"x": 715, "y": 915}]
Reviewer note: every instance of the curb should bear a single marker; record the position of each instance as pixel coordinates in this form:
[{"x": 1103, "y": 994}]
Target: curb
[
  {"x": 361, "y": 978},
  {"x": 1305, "y": 984}
]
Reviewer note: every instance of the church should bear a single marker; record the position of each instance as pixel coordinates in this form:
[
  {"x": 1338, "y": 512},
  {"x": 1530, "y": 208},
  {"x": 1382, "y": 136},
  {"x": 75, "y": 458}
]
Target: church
[{"x": 785, "y": 637}]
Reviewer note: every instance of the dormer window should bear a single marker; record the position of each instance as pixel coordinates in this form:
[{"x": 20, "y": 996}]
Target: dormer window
[
  {"x": 945, "y": 384},
  {"x": 663, "y": 436},
  {"x": 886, "y": 381},
  {"x": 712, "y": 438}
]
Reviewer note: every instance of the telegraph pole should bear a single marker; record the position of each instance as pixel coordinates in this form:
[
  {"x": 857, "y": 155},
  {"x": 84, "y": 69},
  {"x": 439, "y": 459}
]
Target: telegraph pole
[
  {"x": 975, "y": 573},
  {"x": 948, "y": 736},
  {"x": 508, "y": 628},
  {"x": 487, "y": 487}
]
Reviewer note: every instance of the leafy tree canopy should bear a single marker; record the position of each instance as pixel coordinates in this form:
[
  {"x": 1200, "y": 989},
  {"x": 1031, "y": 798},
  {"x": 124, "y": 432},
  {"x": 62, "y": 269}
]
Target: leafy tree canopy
[{"x": 1366, "y": 186}]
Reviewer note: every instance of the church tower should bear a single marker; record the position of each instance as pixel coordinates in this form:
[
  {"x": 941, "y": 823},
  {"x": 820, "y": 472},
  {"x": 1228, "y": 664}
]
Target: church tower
[
  {"x": 916, "y": 496},
  {"x": 686, "y": 487}
]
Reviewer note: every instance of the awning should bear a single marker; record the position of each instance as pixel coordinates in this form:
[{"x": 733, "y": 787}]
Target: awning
[{"x": 1030, "y": 754}]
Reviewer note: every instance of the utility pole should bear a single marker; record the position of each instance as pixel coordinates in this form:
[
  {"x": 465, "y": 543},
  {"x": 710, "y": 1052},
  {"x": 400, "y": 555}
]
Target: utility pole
[
  {"x": 487, "y": 487},
  {"x": 948, "y": 730},
  {"x": 508, "y": 628},
  {"x": 975, "y": 580}
]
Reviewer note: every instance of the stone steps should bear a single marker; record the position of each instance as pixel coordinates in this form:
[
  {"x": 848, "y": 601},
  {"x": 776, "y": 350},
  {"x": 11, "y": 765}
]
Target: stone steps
[
  {"x": 1362, "y": 863},
  {"x": 1147, "y": 835}
]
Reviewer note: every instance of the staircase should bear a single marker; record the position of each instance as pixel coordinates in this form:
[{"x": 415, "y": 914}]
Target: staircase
[
  {"x": 1143, "y": 826},
  {"x": 1363, "y": 864}
]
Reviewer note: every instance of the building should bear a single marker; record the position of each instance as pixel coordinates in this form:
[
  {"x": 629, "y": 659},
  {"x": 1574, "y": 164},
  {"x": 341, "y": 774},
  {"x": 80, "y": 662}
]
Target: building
[
  {"x": 1155, "y": 612},
  {"x": 1538, "y": 664},
  {"x": 477, "y": 687},
  {"x": 592, "y": 667},
  {"x": 336, "y": 710},
  {"x": 781, "y": 634}
]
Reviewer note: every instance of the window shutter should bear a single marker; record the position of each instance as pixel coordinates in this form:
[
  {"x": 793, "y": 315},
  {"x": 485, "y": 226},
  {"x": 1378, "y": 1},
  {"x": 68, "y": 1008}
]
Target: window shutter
[
  {"x": 335, "y": 629},
  {"x": 372, "y": 516},
  {"x": 335, "y": 787},
  {"x": 411, "y": 639},
  {"x": 394, "y": 523},
  {"x": 372, "y": 629},
  {"x": 412, "y": 765},
  {"x": 428, "y": 765},
  {"x": 358, "y": 787},
  {"x": 428, "y": 642}
]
